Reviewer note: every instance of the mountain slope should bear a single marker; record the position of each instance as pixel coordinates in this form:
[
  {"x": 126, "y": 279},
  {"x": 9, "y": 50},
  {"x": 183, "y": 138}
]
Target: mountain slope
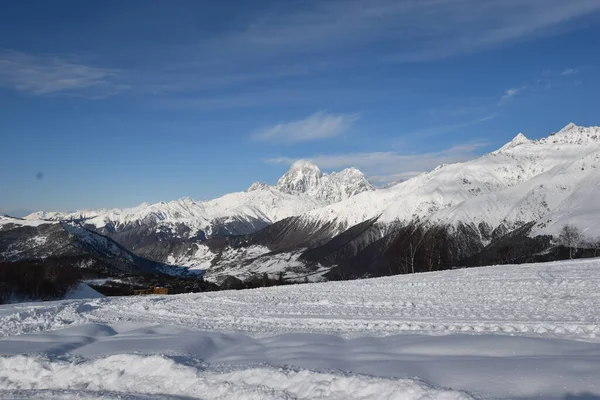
[
  {"x": 555, "y": 168},
  {"x": 474, "y": 203},
  {"x": 23, "y": 240},
  {"x": 518, "y": 183},
  {"x": 579, "y": 208}
]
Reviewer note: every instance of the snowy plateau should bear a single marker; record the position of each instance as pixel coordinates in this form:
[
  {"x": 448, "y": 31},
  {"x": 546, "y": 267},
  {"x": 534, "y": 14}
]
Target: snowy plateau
[
  {"x": 501, "y": 332},
  {"x": 314, "y": 226}
]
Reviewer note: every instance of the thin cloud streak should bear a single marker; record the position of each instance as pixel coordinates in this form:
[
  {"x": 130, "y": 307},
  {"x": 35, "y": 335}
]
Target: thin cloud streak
[
  {"x": 326, "y": 35},
  {"x": 423, "y": 30},
  {"x": 441, "y": 129},
  {"x": 49, "y": 74},
  {"x": 318, "y": 126},
  {"x": 547, "y": 81},
  {"x": 383, "y": 167},
  {"x": 569, "y": 71}
]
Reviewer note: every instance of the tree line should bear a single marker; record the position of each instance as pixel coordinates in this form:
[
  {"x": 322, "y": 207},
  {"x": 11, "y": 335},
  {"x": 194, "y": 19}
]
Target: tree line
[{"x": 574, "y": 240}]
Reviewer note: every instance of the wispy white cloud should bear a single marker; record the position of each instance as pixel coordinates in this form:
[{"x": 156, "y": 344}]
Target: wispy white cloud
[
  {"x": 422, "y": 30},
  {"x": 301, "y": 39},
  {"x": 48, "y": 74},
  {"x": 298, "y": 39},
  {"x": 445, "y": 128},
  {"x": 382, "y": 167},
  {"x": 314, "y": 127},
  {"x": 569, "y": 71},
  {"x": 549, "y": 79},
  {"x": 510, "y": 93}
]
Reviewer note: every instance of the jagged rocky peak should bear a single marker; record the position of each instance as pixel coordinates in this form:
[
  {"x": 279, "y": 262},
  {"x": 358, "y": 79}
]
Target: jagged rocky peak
[
  {"x": 571, "y": 134},
  {"x": 258, "y": 186},
  {"x": 574, "y": 134},
  {"x": 351, "y": 181},
  {"x": 351, "y": 172},
  {"x": 570, "y": 126},
  {"x": 302, "y": 177},
  {"x": 185, "y": 200},
  {"x": 517, "y": 141}
]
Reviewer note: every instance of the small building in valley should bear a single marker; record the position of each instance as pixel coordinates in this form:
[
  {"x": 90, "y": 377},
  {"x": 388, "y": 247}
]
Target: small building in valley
[{"x": 153, "y": 290}]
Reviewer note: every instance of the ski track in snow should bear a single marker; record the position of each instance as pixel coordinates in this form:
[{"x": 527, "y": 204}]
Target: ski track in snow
[
  {"x": 491, "y": 332},
  {"x": 558, "y": 299}
]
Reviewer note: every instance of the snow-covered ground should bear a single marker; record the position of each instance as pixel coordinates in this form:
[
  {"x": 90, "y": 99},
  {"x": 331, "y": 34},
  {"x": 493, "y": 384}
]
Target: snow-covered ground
[
  {"x": 83, "y": 291},
  {"x": 497, "y": 332}
]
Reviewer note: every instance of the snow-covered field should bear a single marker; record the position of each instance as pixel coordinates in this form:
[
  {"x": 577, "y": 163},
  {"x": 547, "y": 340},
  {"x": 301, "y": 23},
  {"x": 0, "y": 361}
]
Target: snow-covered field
[{"x": 497, "y": 332}]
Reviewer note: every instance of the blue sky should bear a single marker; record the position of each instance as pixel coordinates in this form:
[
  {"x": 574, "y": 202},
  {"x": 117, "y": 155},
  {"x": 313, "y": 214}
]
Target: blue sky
[{"x": 113, "y": 103}]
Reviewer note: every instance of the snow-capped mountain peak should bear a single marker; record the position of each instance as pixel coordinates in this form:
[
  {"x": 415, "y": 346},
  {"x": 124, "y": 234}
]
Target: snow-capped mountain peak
[
  {"x": 568, "y": 127},
  {"x": 573, "y": 134},
  {"x": 302, "y": 177},
  {"x": 517, "y": 141},
  {"x": 351, "y": 172},
  {"x": 350, "y": 181}
]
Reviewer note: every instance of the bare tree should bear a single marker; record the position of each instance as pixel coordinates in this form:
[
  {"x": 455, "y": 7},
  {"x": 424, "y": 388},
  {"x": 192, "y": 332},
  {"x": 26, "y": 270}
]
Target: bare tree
[
  {"x": 436, "y": 249},
  {"x": 416, "y": 237},
  {"x": 571, "y": 237},
  {"x": 592, "y": 245}
]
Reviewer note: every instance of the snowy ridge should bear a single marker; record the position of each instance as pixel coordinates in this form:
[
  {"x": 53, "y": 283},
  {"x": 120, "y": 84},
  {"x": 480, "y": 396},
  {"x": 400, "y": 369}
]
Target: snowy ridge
[
  {"x": 99, "y": 243},
  {"x": 6, "y": 220},
  {"x": 247, "y": 208},
  {"x": 77, "y": 246},
  {"x": 521, "y": 182},
  {"x": 517, "y": 140},
  {"x": 304, "y": 187}
]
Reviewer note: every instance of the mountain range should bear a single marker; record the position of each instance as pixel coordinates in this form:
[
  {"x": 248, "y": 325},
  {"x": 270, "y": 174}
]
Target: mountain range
[{"x": 313, "y": 226}]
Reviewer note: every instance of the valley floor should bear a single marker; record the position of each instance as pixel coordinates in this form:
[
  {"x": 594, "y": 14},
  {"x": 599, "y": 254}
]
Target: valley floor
[{"x": 514, "y": 331}]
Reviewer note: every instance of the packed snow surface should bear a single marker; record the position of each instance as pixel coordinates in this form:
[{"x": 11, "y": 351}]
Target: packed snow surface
[{"x": 514, "y": 331}]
